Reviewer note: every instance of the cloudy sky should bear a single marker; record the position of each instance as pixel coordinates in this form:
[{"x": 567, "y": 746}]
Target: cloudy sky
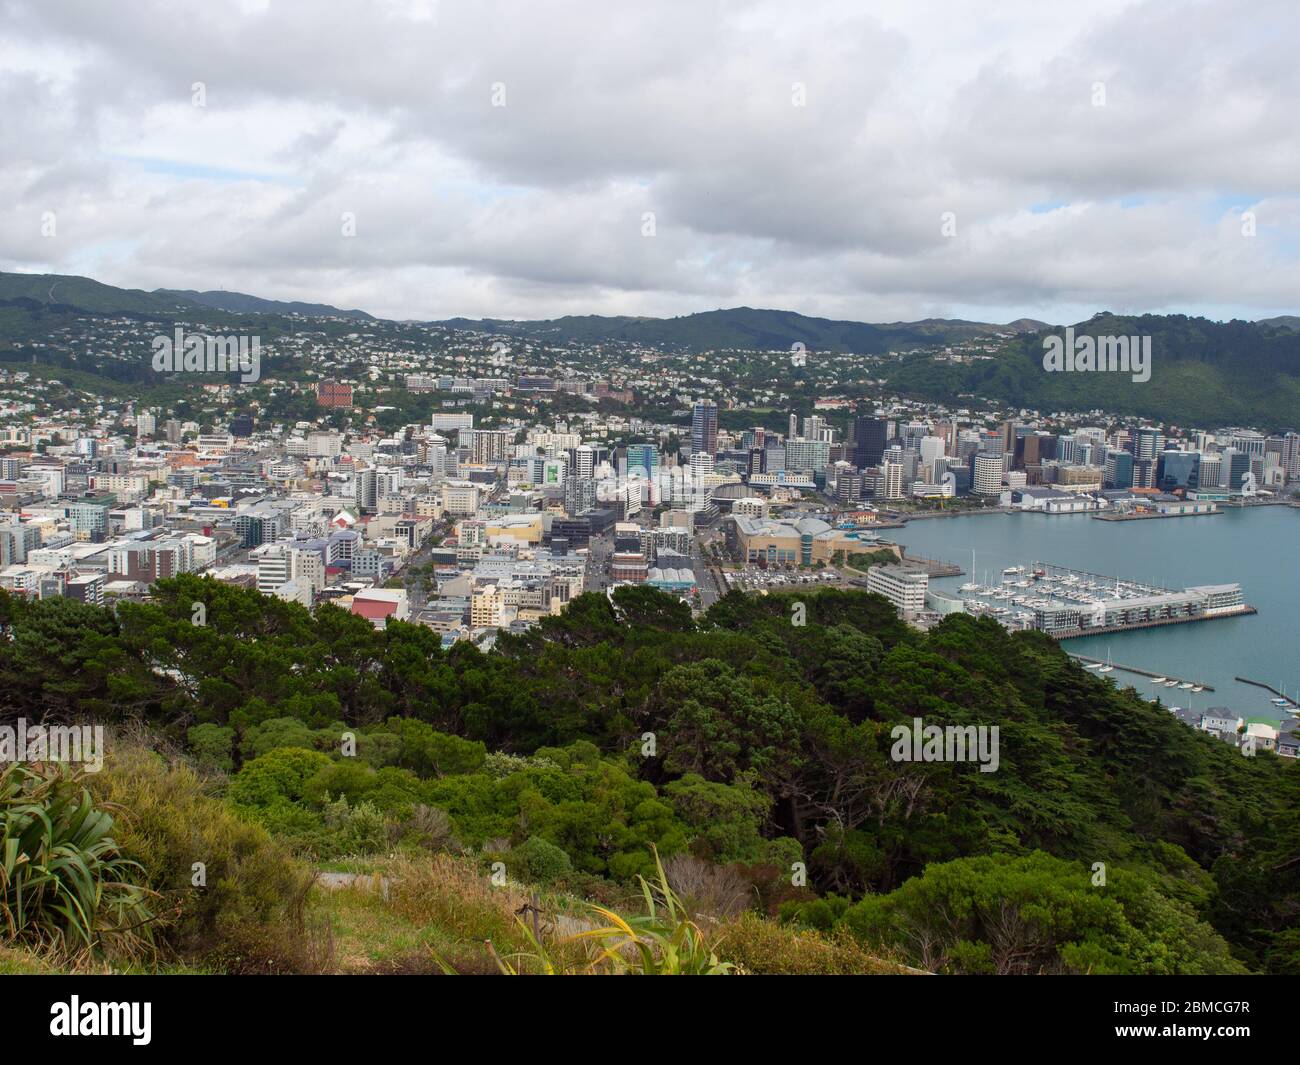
[{"x": 882, "y": 161}]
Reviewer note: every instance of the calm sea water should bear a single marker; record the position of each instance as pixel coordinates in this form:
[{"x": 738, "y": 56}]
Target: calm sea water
[{"x": 1258, "y": 547}]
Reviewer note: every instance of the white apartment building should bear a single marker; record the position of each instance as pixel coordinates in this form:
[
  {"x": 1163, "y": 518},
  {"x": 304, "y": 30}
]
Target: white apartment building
[{"x": 905, "y": 588}]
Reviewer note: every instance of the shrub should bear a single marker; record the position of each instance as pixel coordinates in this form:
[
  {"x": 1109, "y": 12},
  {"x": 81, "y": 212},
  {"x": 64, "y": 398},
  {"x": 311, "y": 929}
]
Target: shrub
[
  {"x": 430, "y": 828},
  {"x": 360, "y": 829},
  {"x": 241, "y": 909},
  {"x": 211, "y": 746},
  {"x": 765, "y": 948},
  {"x": 281, "y": 774},
  {"x": 708, "y": 890},
  {"x": 64, "y": 885},
  {"x": 539, "y": 861}
]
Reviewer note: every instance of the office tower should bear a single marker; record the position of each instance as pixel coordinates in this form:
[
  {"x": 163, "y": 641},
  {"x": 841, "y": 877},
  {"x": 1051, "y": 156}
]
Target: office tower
[
  {"x": 807, "y": 455},
  {"x": 579, "y": 495},
  {"x": 1291, "y": 456},
  {"x": 893, "y": 475},
  {"x": 583, "y": 461},
  {"x": 704, "y": 428},
  {"x": 367, "y": 490},
  {"x": 1211, "y": 471},
  {"x": 642, "y": 457},
  {"x": 931, "y": 449},
  {"x": 1179, "y": 469},
  {"x": 1148, "y": 442},
  {"x": 847, "y": 483},
  {"x": 1247, "y": 440},
  {"x": 1119, "y": 469},
  {"x": 1144, "y": 473},
  {"x": 487, "y": 446},
  {"x": 987, "y": 474},
  {"x": 911, "y": 435},
  {"x": 1009, "y": 429},
  {"x": 869, "y": 438},
  {"x": 1236, "y": 464},
  {"x": 794, "y": 426},
  {"x": 701, "y": 465},
  {"x": 773, "y": 457}
]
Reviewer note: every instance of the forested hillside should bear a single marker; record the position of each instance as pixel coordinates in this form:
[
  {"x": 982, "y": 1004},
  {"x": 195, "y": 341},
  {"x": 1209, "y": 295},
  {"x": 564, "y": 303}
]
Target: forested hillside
[
  {"x": 1203, "y": 373},
  {"x": 758, "y": 747}
]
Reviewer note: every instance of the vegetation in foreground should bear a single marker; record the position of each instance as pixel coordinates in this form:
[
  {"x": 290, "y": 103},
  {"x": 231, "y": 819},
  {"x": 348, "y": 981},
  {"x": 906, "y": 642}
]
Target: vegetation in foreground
[{"x": 500, "y": 797}]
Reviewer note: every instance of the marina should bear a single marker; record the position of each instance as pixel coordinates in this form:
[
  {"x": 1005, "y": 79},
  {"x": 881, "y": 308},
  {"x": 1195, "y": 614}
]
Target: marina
[
  {"x": 1246, "y": 545},
  {"x": 1065, "y": 602}
]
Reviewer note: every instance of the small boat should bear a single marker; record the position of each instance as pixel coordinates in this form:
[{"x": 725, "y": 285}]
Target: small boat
[
  {"x": 969, "y": 586},
  {"x": 1014, "y": 569},
  {"x": 1158, "y": 680},
  {"x": 1092, "y": 665},
  {"x": 1186, "y": 686},
  {"x": 1198, "y": 688},
  {"x": 1171, "y": 684},
  {"x": 1107, "y": 668},
  {"x": 1281, "y": 702}
]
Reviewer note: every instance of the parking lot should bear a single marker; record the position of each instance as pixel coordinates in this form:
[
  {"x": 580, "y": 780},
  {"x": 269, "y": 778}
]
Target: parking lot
[{"x": 756, "y": 579}]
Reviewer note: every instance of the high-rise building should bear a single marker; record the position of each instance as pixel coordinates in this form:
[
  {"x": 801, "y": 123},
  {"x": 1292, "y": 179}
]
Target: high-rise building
[
  {"x": 1235, "y": 466},
  {"x": 870, "y": 435},
  {"x": 643, "y": 458},
  {"x": 1291, "y": 456},
  {"x": 1211, "y": 472},
  {"x": 1119, "y": 469},
  {"x": 1179, "y": 469},
  {"x": 807, "y": 455},
  {"x": 704, "y": 428},
  {"x": 367, "y": 490},
  {"x": 1148, "y": 442},
  {"x": 987, "y": 473},
  {"x": 584, "y": 462},
  {"x": 489, "y": 445}
]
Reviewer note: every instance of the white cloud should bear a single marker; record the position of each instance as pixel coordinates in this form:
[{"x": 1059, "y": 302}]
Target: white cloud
[{"x": 686, "y": 110}]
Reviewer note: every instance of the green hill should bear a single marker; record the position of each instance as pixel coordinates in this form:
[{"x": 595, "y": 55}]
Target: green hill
[
  {"x": 1202, "y": 373},
  {"x": 60, "y": 291},
  {"x": 239, "y": 303},
  {"x": 740, "y": 327}
]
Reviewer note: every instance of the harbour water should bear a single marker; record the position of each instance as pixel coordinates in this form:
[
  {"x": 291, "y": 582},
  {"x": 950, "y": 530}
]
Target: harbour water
[{"x": 1257, "y": 547}]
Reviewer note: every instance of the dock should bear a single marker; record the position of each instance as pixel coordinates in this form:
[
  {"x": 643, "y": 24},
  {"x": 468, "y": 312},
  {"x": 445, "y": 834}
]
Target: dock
[
  {"x": 1132, "y": 626},
  {"x": 933, "y": 566},
  {"x": 1145, "y": 672},
  {"x": 1266, "y": 687}
]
